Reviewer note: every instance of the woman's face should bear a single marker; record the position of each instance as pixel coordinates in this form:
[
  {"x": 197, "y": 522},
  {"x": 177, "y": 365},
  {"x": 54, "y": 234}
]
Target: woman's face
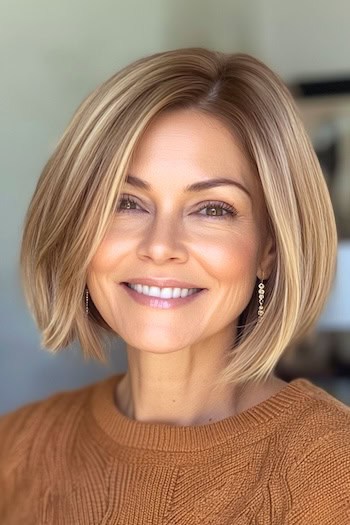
[{"x": 166, "y": 234}]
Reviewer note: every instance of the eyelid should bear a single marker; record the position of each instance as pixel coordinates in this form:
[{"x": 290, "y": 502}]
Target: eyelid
[
  {"x": 218, "y": 200},
  {"x": 221, "y": 204},
  {"x": 225, "y": 206}
]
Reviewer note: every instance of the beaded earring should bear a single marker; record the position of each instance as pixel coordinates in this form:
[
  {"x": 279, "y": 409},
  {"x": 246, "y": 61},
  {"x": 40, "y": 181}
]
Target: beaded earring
[
  {"x": 261, "y": 294},
  {"x": 86, "y": 302}
]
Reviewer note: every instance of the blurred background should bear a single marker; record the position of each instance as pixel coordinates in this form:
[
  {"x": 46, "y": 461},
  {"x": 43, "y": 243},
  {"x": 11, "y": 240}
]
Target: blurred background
[{"x": 54, "y": 53}]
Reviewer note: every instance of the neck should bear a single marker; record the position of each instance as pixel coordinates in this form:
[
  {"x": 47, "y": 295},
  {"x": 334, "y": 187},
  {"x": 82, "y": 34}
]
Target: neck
[{"x": 187, "y": 401}]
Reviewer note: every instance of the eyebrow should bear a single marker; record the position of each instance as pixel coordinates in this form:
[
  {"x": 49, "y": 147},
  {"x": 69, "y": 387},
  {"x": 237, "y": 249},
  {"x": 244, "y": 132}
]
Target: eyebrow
[{"x": 191, "y": 188}]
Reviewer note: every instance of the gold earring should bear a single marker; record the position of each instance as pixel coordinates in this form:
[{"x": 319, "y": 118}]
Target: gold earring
[
  {"x": 261, "y": 294},
  {"x": 86, "y": 302}
]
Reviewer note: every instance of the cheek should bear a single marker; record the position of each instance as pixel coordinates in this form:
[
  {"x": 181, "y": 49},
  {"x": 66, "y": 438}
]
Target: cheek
[
  {"x": 104, "y": 260},
  {"x": 101, "y": 272},
  {"x": 234, "y": 259}
]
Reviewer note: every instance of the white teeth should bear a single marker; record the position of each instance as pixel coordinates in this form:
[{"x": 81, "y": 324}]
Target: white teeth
[{"x": 163, "y": 293}]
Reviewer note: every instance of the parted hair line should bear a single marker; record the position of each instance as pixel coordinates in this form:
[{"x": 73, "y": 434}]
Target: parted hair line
[{"x": 76, "y": 194}]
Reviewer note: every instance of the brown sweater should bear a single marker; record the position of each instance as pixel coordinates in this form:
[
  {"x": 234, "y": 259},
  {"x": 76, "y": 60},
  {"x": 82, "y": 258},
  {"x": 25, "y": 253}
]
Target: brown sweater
[{"x": 74, "y": 459}]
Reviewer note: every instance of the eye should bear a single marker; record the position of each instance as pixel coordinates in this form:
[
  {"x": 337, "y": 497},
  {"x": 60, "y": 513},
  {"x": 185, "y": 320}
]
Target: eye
[
  {"x": 130, "y": 202},
  {"x": 231, "y": 212},
  {"x": 212, "y": 205}
]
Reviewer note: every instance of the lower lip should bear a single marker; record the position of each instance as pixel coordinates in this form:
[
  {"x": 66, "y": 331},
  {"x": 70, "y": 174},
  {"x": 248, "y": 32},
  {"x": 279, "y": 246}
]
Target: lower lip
[{"x": 157, "y": 302}]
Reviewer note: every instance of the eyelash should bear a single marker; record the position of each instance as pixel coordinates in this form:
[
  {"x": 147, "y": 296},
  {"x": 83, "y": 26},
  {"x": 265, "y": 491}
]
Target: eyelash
[{"x": 213, "y": 204}]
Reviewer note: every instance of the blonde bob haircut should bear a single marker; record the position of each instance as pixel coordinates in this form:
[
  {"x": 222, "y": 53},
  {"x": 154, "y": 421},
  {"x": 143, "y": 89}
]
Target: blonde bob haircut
[{"x": 81, "y": 183}]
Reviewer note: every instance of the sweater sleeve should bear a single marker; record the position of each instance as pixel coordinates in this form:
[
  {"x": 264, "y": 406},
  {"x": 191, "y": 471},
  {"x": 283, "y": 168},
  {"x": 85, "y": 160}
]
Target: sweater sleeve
[
  {"x": 319, "y": 482},
  {"x": 32, "y": 440},
  {"x": 18, "y": 430}
]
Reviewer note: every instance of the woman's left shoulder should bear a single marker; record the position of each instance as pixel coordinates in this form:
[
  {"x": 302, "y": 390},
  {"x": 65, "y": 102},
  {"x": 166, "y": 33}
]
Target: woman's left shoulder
[
  {"x": 322, "y": 429},
  {"x": 318, "y": 427},
  {"x": 322, "y": 408},
  {"x": 318, "y": 474}
]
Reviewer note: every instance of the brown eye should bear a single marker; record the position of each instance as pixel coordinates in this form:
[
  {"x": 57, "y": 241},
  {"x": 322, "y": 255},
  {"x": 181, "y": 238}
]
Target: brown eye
[
  {"x": 214, "y": 206},
  {"x": 129, "y": 204}
]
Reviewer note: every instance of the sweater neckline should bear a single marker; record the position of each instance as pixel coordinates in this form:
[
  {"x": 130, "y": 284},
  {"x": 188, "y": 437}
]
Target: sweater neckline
[{"x": 127, "y": 432}]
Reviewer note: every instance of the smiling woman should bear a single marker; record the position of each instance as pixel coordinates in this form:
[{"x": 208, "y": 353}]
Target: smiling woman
[
  {"x": 162, "y": 233},
  {"x": 184, "y": 211}
]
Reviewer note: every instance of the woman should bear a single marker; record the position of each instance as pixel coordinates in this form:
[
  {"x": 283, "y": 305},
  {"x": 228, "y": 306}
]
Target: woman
[{"x": 185, "y": 211}]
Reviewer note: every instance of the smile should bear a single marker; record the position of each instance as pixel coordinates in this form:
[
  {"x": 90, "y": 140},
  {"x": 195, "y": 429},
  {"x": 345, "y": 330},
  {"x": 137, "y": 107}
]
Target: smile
[
  {"x": 163, "y": 293},
  {"x": 163, "y": 298}
]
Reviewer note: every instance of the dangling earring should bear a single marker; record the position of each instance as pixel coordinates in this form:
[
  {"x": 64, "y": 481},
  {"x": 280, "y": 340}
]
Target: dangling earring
[
  {"x": 86, "y": 302},
  {"x": 261, "y": 293}
]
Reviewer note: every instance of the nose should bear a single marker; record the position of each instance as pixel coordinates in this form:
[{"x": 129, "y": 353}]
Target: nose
[{"x": 163, "y": 239}]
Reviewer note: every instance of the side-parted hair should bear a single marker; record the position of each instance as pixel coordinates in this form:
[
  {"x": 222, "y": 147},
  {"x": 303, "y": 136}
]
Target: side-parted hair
[{"x": 80, "y": 186}]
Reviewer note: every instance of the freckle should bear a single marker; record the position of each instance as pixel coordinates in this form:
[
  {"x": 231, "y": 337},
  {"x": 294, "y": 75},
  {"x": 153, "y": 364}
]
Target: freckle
[
  {"x": 210, "y": 419},
  {"x": 173, "y": 400}
]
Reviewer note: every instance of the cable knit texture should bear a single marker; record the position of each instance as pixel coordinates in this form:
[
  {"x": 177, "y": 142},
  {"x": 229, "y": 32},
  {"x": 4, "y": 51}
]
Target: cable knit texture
[{"x": 75, "y": 459}]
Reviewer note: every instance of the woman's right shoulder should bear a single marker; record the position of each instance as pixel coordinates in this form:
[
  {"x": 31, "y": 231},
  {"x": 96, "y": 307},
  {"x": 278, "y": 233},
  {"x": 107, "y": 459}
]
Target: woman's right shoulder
[{"x": 23, "y": 428}]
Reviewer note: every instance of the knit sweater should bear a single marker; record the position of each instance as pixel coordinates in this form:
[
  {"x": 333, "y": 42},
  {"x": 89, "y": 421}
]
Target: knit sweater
[{"x": 75, "y": 459}]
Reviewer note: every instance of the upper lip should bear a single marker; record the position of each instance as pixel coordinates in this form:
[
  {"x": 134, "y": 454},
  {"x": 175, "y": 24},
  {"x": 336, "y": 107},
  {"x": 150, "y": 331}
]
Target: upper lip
[{"x": 162, "y": 282}]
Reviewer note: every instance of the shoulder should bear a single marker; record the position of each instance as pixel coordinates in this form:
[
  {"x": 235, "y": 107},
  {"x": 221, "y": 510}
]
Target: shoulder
[
  {"x": 24, "y": 428},
  {"x": 320, "y": 420},
  {"x": 319, "y": 414},
  {"x": 318, "y": 474},
  {"x": 320, "y": 432}
]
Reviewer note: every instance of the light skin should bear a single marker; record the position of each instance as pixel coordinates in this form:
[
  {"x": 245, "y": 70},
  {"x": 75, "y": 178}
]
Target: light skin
[{"x": 175, "y": 354}]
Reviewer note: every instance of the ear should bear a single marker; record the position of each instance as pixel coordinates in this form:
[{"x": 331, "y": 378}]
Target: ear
[{"x": 267, "y": 258}]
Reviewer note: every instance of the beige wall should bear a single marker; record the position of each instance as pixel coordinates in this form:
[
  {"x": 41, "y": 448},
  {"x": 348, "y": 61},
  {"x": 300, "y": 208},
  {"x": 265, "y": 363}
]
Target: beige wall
[{"x": 308, "y": 37}]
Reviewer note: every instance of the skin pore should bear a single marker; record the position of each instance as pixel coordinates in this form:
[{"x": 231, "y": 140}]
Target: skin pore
[{"x": 174, "y": 354}]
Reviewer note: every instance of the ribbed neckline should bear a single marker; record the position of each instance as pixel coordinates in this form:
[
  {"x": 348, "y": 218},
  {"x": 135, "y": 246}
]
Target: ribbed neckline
[{"x": 124, "y": 431}]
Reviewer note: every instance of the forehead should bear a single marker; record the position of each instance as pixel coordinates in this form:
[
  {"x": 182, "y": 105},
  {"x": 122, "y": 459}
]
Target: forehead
[{"x": 185, "y": 144}]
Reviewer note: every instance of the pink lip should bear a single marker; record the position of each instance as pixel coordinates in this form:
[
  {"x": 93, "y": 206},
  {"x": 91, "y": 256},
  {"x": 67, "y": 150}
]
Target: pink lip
[
  {"x": 162, "y": 283},
  {"x": 157, "y": 302}
]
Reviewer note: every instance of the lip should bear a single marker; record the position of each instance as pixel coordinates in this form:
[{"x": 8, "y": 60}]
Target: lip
[
  {"x": 162, "y": 283},
  {"x": 158, "y": 302}
]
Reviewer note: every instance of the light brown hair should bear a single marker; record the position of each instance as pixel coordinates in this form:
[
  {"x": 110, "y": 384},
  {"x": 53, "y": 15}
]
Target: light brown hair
[{"x": 79, "y": 187}]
